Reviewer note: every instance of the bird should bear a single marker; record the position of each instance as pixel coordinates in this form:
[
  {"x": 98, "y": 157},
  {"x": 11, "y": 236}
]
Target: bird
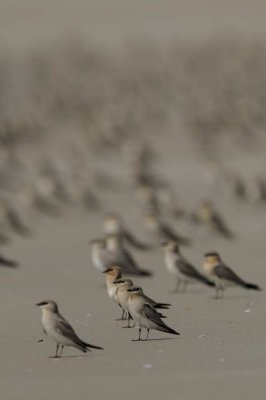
[
  {"x": 7, "y": 262},
  {"x": 112, "y": 274},
  {"x": 162, "y": 231},
  {"x": 117, "y": 254},
  {"x": 55, "y": 326},
  {"x": 10, "y": 216},
  {"x": 97, "y": 252},
  {"x": 222, "y": 275},
  {"x": 90, "y": 200},
  {"x": 184, "y": 271},
  {"x": 148, "y": 198},
  {"x": 110, "y": 252},
  {"x": 113, "y": 224},
  {"x": 208, "y": 215},
  {"x": 122, "y": 296},
  {"x": 236, "y": 185},
  {"x": 144, "y": 314}
]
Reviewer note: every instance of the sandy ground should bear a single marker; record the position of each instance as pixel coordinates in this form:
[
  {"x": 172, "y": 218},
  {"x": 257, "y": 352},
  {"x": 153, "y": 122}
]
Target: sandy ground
[{"x": 221, "y": 352}]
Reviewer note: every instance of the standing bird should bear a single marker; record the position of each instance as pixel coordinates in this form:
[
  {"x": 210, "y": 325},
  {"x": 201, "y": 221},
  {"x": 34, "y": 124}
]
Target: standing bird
[
  {"x": 144, "y": 314},
  {"x": 113, "y": 253},
  {"x": 10, "y": 217},
  {"x": 112, "y": 274},
  {"x": 113, "y": 224},
  {"x": 147, "y": 198},
  {"x": 222, "y": 275},
  {"x": 97, "y": 252},
  {"x": 122, "y": 296},
  {"x": 162, "y": 232},
  {"x": 117, "y": 254},
  {"x": 208, "y": 215},
  {"x": 181, "y": 268},
  {"x": 55, "y": 326}
]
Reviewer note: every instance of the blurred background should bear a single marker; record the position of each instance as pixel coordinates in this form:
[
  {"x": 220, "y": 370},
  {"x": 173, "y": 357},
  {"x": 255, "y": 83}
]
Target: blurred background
[
  {"x": 99, "y": 70},
  {"x": 84, "y": 82}
]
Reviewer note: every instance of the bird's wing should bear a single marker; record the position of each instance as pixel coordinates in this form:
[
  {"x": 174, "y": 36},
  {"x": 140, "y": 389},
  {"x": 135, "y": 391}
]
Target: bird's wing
[
  {"x": 150, "y": 313},
  {"x": 65, "y": 329},
  {"x": 149, "y": 300},
  {"x": 187, "y": 269},
  {"x": 221, "y": 226},
  {"x": 168, "y": 232},
  {"x": 109, "y": 259},
  {"x": 226, "y": 273},
  {"x": 172, "y": 235},
  {"x": 131, "y": 239}
]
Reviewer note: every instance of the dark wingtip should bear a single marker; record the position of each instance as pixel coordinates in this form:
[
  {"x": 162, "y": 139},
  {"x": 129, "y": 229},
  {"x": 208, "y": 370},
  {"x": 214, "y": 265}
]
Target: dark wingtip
[
  {"x": 210, "y": 283},
  {"x": 252, "y": 286},
  {"x": 175, "y": 333},
  {"x": 163, "y": 306},
  {"x": 146, "y": 273}
]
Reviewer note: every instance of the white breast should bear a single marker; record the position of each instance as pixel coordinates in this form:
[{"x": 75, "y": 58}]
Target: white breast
[{"x": 170, "y": 262}]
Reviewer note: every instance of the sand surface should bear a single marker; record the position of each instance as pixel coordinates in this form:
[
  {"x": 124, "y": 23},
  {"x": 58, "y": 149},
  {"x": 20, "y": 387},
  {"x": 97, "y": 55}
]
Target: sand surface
[
  {"x": 219, "y": 354},
  {"x": 221, "y": 350}
]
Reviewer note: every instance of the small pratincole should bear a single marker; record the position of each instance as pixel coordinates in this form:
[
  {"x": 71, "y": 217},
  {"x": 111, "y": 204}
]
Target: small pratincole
[
  {"x": 181, "y": 268},
  {"x": 144, "y": 314},
  {"x": 122, "y": 296},
  {"x": 222, "y": 275},
  {"x": 55, "y": 326},
  {"x": 113, "y": 224},
  {"x": 208, "y": 215},
  {"x": 162, "y": 231}
]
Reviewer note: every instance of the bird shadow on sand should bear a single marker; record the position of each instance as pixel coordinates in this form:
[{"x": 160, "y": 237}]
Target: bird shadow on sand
[
  {"x": 152, "y": 340},
  {"x": 233, "y": 297},
  {"x": 66, "y": 357}
]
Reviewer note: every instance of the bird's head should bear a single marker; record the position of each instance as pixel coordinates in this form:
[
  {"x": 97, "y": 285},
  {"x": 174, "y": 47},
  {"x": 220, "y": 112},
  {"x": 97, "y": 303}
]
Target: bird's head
[{"x": 48, "y": 305}]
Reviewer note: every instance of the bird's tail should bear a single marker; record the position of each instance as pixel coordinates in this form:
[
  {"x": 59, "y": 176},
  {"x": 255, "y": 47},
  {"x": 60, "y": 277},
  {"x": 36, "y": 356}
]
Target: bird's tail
[
  {"x": 140, "y": 272},
  {"x": 88, "y": 346},
  {"x": 8, "y": 263},
  {"x": 252, "y": 286},
  {"x": 167, "y": 329},
  {"x": 207, "y": 281},
  {"x": 162, "y": 306}
]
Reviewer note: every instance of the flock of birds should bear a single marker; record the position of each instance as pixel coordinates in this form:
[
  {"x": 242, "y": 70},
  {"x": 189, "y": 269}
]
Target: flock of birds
[{"x": 112, "y": 254}]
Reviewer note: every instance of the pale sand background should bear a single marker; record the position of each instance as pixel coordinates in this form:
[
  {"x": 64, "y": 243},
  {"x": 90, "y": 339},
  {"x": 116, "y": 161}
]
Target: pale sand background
[
  {"x": 221, "y": 352},
  {"x": 23, "y": 23}
]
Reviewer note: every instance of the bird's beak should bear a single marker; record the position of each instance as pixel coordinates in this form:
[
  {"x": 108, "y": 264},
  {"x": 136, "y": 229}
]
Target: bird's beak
[
  {"x": 106, "y": 270},
  {"x": 41, "y": 303}
]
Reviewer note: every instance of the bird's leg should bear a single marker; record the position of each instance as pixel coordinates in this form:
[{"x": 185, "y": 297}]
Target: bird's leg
[
  {"x": 184, "y": 286},
  {"x": 122, "y": 316},
  {"x": 139, "y": 334},
  {"x": 217, "y": 291},
  {"x": 222, "y": 293},
  {"x": 148, "y": 331},
  {"x": 56, "y": 352},
  {"x": 178, "y": 283},
  {"x": 128, "y": 321},
  {"x": 62, "y": 348}
]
